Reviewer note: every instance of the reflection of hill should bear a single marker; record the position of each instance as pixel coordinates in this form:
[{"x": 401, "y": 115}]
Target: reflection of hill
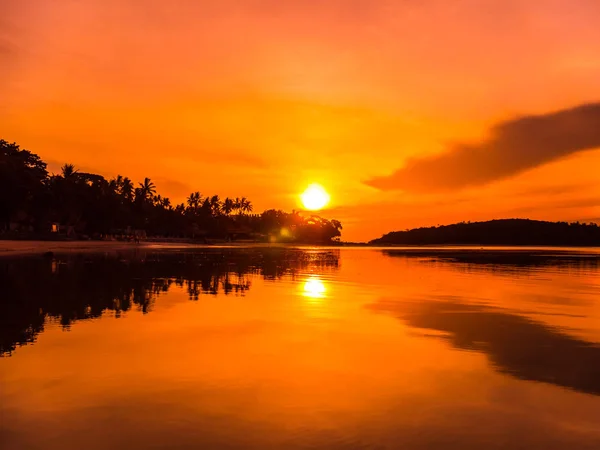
[
  {"x": 516, "y": 345},
  {"x": 75, "y": 287},
  {"x": 504, "y": 260}
]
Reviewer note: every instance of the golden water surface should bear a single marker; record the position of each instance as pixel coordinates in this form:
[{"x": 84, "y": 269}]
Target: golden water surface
[{"x": 313, "y": 348}]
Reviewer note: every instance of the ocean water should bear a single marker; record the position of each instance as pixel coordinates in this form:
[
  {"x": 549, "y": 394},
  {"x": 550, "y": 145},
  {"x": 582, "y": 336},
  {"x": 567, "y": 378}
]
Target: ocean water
[{"x": 300, "y": 348}]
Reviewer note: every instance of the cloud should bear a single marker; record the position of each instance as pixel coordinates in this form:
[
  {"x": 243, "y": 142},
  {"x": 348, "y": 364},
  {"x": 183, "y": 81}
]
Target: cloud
[{"x": 514, "y": 146}]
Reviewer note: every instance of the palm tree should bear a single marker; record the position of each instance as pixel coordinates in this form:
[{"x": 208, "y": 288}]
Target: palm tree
[
  {"x": 228, "y": 206},
  {"x": 237, "y": 204},
  {"x": 127, "y": 188},
  {"x": 245, "y": 205},
  {"x": 215, "y": 205},
  {"x": 147, "y": 189},
  {"x": 194, "y": 201},
  {"x": 68, "y": 171}
]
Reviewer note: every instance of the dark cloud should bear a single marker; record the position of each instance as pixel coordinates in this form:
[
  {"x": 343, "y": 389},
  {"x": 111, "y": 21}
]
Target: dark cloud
[{"x": 514, "y": 146}]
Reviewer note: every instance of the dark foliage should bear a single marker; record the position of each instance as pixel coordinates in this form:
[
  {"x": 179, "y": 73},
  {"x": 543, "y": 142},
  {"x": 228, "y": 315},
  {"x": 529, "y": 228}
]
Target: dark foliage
[
  {"x": 85, "y": 204},
  {"x": 499, "y": 232}
]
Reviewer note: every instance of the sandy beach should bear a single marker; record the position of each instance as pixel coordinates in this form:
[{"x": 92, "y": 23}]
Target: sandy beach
[{"x": 13, "y": 248}]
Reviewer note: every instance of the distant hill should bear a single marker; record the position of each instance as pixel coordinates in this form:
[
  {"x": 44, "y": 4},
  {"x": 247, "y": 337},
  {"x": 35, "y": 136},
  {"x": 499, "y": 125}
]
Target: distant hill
[{"x": 498, "y": 232}]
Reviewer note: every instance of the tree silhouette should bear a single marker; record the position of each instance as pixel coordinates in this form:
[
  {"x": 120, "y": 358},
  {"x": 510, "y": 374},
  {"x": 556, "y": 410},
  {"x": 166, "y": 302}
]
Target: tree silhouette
[
  {"x": 88, "y": 205},
  {"x": 245, "y": 205},
  {"x": 127, "y": 189},
  {"x": 194, "y": 202},
  {"x": 498, "y": 232},
  {"x": 23, "y": 179},
  {"x": 228, "y": 206},
  {"x": 146, "y": 189},
  {"x": 237, "y": 205},
  {"x": 215, "y": 205},
  {"x": 68, "y": 171}
]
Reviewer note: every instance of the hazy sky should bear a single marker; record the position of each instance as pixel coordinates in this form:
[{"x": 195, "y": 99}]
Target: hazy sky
[{"x": 409, "y": 112}]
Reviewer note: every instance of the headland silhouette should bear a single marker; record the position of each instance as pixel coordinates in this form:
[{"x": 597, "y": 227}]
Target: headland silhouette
[{"x": 506, "y": 232}]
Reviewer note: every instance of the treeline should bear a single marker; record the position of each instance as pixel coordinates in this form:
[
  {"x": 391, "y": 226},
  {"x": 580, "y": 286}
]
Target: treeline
[
  {"x": 498, "y": 232},
  {"x": 85, "y": 204}
]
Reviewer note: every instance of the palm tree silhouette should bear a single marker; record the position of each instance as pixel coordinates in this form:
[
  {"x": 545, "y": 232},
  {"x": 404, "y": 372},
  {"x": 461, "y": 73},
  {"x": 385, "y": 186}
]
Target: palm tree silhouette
[
  {"x": 95, "y": 206},
  {"x": 237, "y": 205},
  {"x": 68, "y": 171},
  {"x": 215, "y": 205},
  {"x": 147, "y": 189},
  {"x": 245, "y": 205},
  {"x": 127, "y": 188},
  {"x": 115, "y": 184},
  {"x": 228, "y": 206},
  {"x": 194, "y": 201}
]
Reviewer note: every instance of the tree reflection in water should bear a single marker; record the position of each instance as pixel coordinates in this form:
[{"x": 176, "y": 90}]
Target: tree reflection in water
[{"x": 68, "y": 288}]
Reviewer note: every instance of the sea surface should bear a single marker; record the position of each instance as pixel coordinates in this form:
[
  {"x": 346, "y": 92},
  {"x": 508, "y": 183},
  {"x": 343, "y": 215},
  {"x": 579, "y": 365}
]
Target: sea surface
[{"x": 166, "y": 347}]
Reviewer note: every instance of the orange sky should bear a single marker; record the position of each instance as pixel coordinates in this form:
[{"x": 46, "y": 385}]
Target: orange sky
[{"x": 262, "y": 97}]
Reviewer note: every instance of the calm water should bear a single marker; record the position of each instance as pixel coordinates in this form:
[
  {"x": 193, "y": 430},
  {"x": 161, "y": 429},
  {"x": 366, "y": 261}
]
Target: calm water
[{"x": 264, "y": 348}]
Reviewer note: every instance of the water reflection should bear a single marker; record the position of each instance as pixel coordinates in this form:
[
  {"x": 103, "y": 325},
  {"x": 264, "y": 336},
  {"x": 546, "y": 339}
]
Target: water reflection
[
  {"x": 512, "y": 261},
  {"x": 515, "y": 344},
  {"x": 74, "y": 287},
  {"x": 294, "y": 349},
  {"x": 314, "y": 288}
]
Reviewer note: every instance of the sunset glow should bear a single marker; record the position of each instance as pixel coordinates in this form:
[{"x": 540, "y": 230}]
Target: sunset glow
[
  {"x": 315, "y": 197},
  {"x": 247, "y": 98},
  {"x": 277, "y": 224}
]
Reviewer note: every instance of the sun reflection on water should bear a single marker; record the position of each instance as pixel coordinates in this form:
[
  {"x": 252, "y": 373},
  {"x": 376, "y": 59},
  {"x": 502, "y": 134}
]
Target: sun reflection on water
[{"x": 314, "y": 288}]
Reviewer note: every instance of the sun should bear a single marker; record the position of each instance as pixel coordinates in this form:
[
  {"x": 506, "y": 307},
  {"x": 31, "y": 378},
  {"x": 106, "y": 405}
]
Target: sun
[{"x": 315, "y": 197}]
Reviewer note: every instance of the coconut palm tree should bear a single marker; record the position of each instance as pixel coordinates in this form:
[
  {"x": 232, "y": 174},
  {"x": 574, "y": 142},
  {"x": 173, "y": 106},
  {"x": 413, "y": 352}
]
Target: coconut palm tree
[
  {"x": 228, "y": 206},
  {"x": 68, "y": 171},
  {"x": 194, "y": 201},
  {"x": 237, "y": 205},
  {"x": 146, "y": 189},
  {"x": 245, "y": 205},
  {"x": 180, "y": 208},
  {"x": 215, "y": 205},
  {"x": 127, "y": 188}
]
